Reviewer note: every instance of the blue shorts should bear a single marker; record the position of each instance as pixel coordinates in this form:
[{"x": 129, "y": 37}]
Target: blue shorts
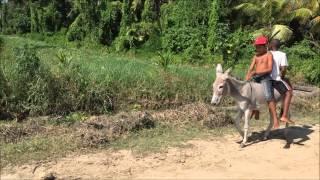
[
  {"x": 267, "y": 88},
  {"x": 266, "y": 82}
]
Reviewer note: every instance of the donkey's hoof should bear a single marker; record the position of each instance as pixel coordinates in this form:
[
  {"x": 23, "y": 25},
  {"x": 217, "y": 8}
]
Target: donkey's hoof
[
  {"x": 265, "y": 138},
  {"x": 242, "y": 145}
]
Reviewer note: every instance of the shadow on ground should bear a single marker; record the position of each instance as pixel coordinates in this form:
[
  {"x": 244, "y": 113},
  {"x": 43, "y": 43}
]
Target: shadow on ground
[{"x": 292, "y": 135}]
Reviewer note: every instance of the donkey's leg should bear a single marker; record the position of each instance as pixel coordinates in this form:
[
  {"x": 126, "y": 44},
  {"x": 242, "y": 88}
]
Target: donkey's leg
[
  {"x": 246, "y": 127},
  {"x": 266, "y": 134},
  {"x": 236, "y": 121}
]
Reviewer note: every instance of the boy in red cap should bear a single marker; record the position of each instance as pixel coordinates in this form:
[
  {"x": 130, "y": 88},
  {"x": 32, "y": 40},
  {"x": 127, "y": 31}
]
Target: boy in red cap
[{"x": 260, "y": 69}]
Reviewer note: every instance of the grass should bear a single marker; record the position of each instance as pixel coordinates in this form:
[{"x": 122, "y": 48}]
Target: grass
[
  {"x": 37, "y": 148},
  {"x": 64, "y": 140},
  {"x": 134, "y": 83},
  {"x": 47, "y": 147},
  {"x": 164, "y": 136},
  {"x": 127, "y": 80}
]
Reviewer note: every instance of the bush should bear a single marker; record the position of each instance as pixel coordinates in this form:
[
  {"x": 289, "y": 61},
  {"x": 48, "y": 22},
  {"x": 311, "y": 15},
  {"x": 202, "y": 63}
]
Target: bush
[
  {"x": 122, "y": 43},
  {"x": 164, "y": 60},
  {"x": 29, "y": 82},
  {"x": 22, "y": 23},
  {"x": 312, "y": 71},
  {"x": 72, "y": 89},
  {"x": 188, "y": 40},
  {"x": 4, "y": 88},
  {"x": 196, "y": 53},
  {"x": 26, "y": 69},
  {"x": 233, "y": 46},
  {"x": 301, "y": 50},
  {"x": 307, "y": 71},
  {"x": 303, "y": 61},
  {"x": 77, "y": 30},
  {"x": 1, "y": 43},
  {"x": 4, "y": 91},
  {"x": 136, "y": 35},
  {"x": 109, "y": 24}
]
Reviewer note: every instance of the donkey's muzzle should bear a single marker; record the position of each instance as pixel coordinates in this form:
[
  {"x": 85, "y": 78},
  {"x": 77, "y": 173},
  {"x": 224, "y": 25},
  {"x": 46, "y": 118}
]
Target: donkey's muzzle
[{"x": 215, "y": 100}]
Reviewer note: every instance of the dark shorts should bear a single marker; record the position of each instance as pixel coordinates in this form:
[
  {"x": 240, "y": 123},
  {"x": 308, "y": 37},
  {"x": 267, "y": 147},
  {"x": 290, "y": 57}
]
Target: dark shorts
[{"x": 281, "y": 86}]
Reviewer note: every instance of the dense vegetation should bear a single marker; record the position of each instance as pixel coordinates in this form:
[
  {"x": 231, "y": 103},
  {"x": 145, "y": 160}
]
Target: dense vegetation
[
  {"x": 49, "y": 79},
  {"x": 194, "y": 28},
  {"x": 64, "y": 58}
]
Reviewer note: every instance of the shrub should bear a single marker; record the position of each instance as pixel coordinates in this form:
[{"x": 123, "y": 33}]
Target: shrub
[
  {"x": 233, "y": 45},
  {"x": 4, "y": 88},
  {"x": 4, "y": 91},
  {"x": 177, "y": 40},
  {"x": 164, "y": 60},
  {"x": 22, "y": 23},
  {"x": 77, "y": 29},
  {"x": 1, "y": 43},
  {"x": 196, "y": 53},
  {"x": 312, "y": 71},
  {"x": 304, "y": 61},
  {"x": 213, "y": 33},
  {"x": 136, "y": 35},
  {"x": 29, "y": 82},
  {"x": 301, "y": 50}
]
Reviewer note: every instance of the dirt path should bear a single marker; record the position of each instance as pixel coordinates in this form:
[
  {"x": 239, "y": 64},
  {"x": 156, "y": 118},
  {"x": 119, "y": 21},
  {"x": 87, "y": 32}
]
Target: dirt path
[{"x": 219, "y": 157}]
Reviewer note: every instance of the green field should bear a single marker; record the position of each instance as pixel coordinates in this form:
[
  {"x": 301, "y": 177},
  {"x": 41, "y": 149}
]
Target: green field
[
  {"x": 53, "y": 79},
  {"x": 78, "y": 76},
  {"x": 49, "y": 77},
  {"x": 73, "y": 76}
]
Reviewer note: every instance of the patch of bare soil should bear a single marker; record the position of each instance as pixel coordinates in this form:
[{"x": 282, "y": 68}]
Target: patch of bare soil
[{"x": 290, "y": 153}]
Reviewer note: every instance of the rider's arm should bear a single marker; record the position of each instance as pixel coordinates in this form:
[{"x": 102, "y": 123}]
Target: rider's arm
[
  {"x": 251, "y": 71},
  {"x": 268, "y": 68},
  {"x": 283, "y": 66},
  {"x": 283, "y": 70}
]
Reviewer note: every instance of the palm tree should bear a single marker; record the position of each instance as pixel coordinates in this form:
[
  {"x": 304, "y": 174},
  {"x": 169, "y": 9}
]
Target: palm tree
[{"x": 285, "y": 16}]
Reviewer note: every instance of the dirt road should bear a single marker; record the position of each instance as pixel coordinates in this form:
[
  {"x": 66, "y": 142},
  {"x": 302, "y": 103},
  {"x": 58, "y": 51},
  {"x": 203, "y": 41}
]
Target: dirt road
[{"x": 216, "y": 158}]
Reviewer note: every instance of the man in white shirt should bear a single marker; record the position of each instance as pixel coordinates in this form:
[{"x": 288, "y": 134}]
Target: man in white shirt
[{"x": 280, "y": 83}]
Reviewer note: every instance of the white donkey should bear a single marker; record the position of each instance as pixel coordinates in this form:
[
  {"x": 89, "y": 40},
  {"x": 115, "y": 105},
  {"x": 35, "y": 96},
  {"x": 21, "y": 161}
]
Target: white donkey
[{"x": 249, "y": 96}]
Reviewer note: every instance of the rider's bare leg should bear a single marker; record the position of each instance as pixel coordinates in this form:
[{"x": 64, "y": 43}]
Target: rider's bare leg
[
  {"x": 286, "y": 104},
  {"x": 272, "y": 109}
]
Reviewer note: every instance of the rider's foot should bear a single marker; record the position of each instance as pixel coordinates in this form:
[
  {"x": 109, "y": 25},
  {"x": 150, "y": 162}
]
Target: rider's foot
[{"x": 286, "y": 120}]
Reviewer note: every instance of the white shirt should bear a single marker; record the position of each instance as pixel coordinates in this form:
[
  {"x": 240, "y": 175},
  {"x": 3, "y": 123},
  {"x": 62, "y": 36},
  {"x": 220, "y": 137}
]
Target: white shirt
[{"x": 279, "y": 59}]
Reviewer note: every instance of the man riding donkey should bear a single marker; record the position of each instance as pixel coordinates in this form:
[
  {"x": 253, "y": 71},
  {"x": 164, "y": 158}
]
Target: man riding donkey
[{"x": 269, "y": 68}]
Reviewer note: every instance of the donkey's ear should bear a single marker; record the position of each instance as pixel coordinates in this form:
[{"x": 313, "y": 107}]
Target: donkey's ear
[
  {"x": 219, "y": 69},
  {"x": 227, "y": 72}
]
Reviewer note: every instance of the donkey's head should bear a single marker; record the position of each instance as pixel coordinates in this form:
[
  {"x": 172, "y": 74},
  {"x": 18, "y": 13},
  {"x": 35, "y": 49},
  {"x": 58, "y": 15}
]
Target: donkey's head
[{"x": 219, "y": 87}]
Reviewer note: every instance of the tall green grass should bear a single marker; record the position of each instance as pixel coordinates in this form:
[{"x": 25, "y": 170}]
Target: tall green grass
[{"x": 96, "y": 81}]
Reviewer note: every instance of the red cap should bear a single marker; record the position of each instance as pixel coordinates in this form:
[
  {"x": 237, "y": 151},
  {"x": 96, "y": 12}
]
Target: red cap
[{"x": 261, "y": 40}]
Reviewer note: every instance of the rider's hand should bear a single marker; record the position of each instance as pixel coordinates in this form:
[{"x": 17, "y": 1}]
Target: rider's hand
[{"x": 248, "y": 77}]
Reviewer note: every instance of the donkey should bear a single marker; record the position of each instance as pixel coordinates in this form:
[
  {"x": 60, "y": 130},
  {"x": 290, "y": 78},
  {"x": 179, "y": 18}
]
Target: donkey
[{"x": 249, "y": 96}]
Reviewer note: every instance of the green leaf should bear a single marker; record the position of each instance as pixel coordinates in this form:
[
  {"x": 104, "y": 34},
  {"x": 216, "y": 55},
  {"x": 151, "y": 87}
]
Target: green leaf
[
  {"x": 315, "y": 25},
  {"x": 248, "y": 9},
  {"x": 302, "y": 14},
  {"x": 260, "y": 32},
  {"x": 285, "y": 33}
]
